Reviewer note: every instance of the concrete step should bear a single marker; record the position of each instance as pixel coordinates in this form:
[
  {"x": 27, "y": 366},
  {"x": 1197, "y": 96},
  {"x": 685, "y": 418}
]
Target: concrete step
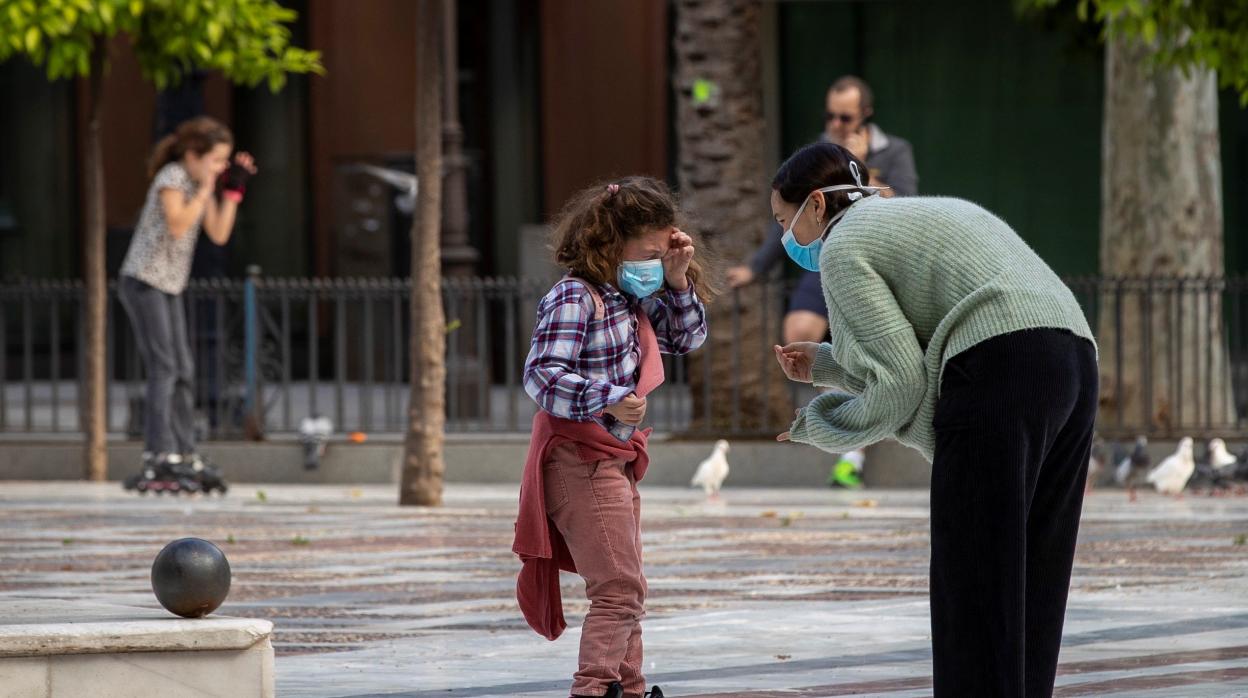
[
  {"x": 485, "y": 459},
  {"x": 56, "y": 648}
]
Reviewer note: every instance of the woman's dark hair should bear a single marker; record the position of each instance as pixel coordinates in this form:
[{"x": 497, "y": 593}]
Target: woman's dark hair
[
  {"x": 198, "y": 135},
  {"x": 590, "y": 232},
  {"x": 816, "y": 166}
]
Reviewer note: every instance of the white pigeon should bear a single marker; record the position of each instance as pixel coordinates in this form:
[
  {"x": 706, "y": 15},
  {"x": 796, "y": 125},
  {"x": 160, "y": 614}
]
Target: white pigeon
[
  {"x": 1221, "y": 459},
  {"x": 1171, "y": 476},
  {"x": 712, "y": 471}
]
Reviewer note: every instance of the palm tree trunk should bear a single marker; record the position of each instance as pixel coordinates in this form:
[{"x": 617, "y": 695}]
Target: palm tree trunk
[
  {"x": 724, "y": 186},
  {"x": 423, "y": 465}
]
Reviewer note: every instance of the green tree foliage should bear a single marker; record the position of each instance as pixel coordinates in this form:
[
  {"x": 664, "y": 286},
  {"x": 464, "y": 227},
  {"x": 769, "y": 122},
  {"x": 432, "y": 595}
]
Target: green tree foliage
[
  {"x": 247, "y": 40},
  {"x": 1185, "y": 34}
]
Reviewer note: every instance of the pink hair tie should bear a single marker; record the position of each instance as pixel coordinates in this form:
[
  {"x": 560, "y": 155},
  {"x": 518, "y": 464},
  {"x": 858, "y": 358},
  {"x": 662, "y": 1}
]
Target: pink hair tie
[{"x": 612, "y": 189}]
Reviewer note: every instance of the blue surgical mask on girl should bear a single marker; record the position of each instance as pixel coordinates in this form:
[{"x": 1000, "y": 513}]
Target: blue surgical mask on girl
[
  {"x": 807, "y": 256},
  {"x": 642, "y": 278}
]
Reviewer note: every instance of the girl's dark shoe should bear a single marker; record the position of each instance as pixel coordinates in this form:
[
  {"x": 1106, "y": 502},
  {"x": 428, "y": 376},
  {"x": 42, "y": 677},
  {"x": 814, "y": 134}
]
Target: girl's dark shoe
[
  {"x": 615, "y": 690},
  {"x": 654, "y": 692}
]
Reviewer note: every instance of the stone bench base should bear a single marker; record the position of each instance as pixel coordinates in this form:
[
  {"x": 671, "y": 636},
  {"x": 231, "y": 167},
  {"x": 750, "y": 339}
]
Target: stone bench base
[{"x": 60, "y": 649}]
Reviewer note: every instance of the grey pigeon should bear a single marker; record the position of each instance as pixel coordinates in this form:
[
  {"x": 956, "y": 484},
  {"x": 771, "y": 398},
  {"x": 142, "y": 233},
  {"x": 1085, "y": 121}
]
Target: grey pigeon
[
  {"x": 1132, "y": 468},
  {"x": 1215, "y": 469},
  {"x": 1098, "y": 460},
  {"x": 1241, "y": 466}
]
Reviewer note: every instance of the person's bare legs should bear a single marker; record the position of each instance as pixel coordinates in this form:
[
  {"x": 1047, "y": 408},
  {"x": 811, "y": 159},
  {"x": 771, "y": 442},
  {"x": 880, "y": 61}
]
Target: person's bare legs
[{"x": 804, "y": 326}]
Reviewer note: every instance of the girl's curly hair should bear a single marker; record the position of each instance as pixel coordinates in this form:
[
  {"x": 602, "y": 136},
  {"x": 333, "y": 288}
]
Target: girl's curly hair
[{"x": 590, "y": 232}]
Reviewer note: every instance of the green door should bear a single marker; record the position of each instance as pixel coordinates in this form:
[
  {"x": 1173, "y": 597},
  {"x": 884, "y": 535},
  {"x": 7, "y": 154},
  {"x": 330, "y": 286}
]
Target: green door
[{"x": 1002, "y": 111}]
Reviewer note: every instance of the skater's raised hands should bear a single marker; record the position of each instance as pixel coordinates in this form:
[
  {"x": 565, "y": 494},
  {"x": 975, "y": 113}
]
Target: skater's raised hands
[
  {"x": 246, "y": 161},
  {"x": 234, "y": 179},
  {"x": 797, "y": 360}
]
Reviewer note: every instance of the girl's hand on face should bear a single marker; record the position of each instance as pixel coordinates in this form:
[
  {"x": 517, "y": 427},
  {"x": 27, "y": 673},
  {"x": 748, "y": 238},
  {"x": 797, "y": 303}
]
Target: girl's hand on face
[{"x": 676, "y": 260}]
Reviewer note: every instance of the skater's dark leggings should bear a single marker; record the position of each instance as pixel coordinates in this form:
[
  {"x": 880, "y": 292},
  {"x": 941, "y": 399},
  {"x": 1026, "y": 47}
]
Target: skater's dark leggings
[
  {"x": 1013, "y": 433},
  {"x": 159, "y": 323}
]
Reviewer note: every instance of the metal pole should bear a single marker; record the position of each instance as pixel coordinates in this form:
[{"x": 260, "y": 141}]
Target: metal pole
[{"x": 251, "y": 331}]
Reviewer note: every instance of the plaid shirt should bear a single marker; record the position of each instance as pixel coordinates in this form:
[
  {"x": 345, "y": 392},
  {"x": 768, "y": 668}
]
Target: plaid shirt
[{"x": 578, "y": 366}]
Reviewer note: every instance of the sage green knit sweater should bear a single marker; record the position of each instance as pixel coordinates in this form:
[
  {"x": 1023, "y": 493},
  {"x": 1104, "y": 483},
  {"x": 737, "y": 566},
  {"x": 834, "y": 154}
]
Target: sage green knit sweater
[{"x": 910, "y": 283}]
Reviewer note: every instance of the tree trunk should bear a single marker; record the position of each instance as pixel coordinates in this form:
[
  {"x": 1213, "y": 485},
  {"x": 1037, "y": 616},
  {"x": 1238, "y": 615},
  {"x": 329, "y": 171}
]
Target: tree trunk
[
  {"x": 94, "y": 409},
  {"x": 724, "y": 186},
  {"x": 1161, "y": 217},
  {"x": 423, "y": 466}
]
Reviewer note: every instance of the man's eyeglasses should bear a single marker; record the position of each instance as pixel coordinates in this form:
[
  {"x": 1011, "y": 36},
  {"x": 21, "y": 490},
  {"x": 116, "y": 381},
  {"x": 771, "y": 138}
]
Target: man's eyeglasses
[{"x": 843, "y": 118}]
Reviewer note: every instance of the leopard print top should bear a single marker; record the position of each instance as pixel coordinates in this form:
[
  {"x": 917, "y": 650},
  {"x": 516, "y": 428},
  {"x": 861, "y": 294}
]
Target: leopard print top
[{"x": 155, "y": 257}]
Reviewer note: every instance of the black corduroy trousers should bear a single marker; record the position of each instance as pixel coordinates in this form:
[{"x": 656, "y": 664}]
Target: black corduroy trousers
[{"x": 1013, "y": 430}]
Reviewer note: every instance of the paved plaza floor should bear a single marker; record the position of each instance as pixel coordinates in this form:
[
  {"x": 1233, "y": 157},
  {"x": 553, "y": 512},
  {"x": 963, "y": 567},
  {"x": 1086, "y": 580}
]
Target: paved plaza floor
[{"x": 771, "y": 594}]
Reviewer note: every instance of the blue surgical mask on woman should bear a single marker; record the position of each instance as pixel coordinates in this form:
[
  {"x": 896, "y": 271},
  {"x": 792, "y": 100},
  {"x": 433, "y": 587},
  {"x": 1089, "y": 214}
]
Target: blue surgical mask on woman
[
  {"x": 807, "y": 256},
  {"x": 642, "y": 278}
]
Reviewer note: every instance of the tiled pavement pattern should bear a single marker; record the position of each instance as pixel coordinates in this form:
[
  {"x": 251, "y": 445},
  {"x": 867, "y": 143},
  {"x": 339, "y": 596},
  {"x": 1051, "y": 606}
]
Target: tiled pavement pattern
[{"x": 774, "y": 594}]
